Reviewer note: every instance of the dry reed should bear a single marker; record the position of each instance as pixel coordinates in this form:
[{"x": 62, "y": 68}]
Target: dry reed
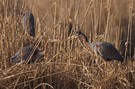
[{"x": 66, "y": 65}]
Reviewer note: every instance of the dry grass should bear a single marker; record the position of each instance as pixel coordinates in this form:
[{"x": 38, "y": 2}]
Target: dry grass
[{"x": 66, "y": 65}]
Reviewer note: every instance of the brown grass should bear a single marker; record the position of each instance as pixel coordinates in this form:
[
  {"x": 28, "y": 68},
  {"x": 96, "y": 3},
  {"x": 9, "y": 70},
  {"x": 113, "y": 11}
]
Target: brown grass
[{"x": 66, "y": 65}]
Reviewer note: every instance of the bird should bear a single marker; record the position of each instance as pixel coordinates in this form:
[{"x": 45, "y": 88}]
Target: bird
[
  {"x": 28, "y": 23},
  {"x": 127, "y": 50},
  {"x": 24, "y": 53},
  {"x": 104, "y": 49}
]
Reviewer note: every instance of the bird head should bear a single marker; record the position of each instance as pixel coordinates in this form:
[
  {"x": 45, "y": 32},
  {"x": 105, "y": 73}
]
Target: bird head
[{"x": 81, "y": 36}]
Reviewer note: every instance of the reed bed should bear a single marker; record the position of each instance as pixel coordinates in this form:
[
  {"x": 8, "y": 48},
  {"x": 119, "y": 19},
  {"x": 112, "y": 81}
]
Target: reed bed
[{"x": 67, "y": 64}]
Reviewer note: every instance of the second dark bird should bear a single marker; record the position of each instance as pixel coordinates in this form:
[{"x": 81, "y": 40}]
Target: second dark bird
[
  {"x": 104, "y": 49},
  {"x": 24, "y": 53}
]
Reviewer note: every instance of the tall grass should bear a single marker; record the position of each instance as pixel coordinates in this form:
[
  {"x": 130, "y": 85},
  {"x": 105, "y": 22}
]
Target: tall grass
[{"x": 66, "y": 65}]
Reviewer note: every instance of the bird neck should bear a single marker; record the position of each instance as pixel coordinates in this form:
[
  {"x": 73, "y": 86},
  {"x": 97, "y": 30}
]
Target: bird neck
[
  {"x": 85, "y": 43},
  {"x": 83, "y": 38}
]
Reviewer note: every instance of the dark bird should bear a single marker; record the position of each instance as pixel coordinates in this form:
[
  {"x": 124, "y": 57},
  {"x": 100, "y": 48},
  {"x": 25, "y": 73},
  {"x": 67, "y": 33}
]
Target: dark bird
[
  {"x": 127, "y": 50},
  {"x": 106, "y": 50},
  {"x": 24, "y": 53},
  {"x": 28, "y": 23}
]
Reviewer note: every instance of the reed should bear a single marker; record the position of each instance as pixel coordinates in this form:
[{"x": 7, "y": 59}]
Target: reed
[{"x": 66, "y": 65}]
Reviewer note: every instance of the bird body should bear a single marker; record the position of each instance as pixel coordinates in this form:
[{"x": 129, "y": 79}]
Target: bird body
[
  {"x": 24, "y": 53},
  {"x": 106, "y": 50},
  {"x": 28, "y": 23}
]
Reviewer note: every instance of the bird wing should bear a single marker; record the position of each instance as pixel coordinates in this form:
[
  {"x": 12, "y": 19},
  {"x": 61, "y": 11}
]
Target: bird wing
[
  {"x": 24, "y": 22},
  {"x": 108, "y": 51},
  {"x": 21, "y": 53},
  {"x": 38, "y": 56},
  {"x": 32, "y": 25}
]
